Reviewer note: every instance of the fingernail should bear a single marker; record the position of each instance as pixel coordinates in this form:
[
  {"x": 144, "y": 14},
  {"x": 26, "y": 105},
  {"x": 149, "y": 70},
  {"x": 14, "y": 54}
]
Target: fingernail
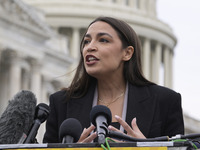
[
  {"x": 117, "y": 117},
  {"x": 134, "y": 119}
]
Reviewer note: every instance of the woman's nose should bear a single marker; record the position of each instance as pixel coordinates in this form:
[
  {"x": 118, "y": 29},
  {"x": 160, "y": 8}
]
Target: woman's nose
[{"x": 91, "y": 47}]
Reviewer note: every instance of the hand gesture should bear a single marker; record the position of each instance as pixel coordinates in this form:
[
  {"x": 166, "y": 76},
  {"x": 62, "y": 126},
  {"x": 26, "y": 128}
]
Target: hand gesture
[
  {"x": 133, "y": 131},
  {"x": 84, "y": 138}
]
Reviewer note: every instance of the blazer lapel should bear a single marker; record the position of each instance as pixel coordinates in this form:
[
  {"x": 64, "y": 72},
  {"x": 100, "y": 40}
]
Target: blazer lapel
[
  {"x": 80, "y": 108},
  {"x": 141, "y": 104}
]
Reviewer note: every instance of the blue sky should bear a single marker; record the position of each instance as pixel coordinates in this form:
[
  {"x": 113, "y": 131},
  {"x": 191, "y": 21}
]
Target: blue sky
[{"x": 184, "y": 18}]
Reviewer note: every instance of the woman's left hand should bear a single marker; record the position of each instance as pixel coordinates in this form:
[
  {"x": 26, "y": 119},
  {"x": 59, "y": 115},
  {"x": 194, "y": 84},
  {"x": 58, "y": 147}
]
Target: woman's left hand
[
  {"x": 86, "y": 136},
  {"x": 133, "y": 131}
]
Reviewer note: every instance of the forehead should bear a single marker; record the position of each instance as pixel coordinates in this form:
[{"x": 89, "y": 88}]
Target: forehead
[{"x": 101, "y": 26}]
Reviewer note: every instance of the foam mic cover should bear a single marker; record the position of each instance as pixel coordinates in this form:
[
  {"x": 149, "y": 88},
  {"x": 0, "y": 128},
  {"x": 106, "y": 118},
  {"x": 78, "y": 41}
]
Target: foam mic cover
[
  {"x": 70, "y": 130},
  {"x": 41, "y": 114},
  {"x": 100, "y": 110},
  {"x": 101, "y": 116},
  {"x": 17, "y": 118}
]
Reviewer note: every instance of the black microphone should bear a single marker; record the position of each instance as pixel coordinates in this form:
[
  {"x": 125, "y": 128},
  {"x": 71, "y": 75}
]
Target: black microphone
[
  {"x": 41, "y": 114},
  {"x": 16, "y": 120},
  {"x": 100, "y": 116},
  {"x": 70, "y": 130}
]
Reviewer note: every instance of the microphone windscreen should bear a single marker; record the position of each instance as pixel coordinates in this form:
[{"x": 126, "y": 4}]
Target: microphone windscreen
[
  {"x": 100, "y": 110},
  {"x": 42, "y": 112},
  {"x": 71, "y": 127},
  {"x": 18, "y": 117}
]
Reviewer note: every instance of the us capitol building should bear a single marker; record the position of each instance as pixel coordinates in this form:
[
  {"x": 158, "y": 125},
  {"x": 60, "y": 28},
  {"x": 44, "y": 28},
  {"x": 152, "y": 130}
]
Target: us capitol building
[{"x": 39, "y": 44}]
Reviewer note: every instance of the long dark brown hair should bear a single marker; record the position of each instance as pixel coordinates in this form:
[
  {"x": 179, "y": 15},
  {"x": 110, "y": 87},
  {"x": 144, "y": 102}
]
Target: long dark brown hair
[{"x": 132, "y": 68}]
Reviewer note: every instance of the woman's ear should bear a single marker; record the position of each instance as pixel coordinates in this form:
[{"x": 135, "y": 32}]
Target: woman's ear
[{"x": 128, "y": 53}]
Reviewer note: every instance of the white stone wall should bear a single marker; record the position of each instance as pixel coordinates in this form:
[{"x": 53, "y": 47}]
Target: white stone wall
[{"x": 32, "y": 56}]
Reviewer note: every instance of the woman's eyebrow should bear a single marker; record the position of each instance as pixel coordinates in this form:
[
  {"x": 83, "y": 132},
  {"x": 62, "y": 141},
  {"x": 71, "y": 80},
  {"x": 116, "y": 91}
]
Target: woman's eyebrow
[
  {"x": 98, "y": 35},
  {"x": 103, "y": 33},
  {"x": 88, "y": 35}
]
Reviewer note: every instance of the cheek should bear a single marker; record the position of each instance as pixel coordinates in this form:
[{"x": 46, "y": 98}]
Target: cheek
[
  {"x": 83, "y": 51},
  {"x": 83, "y": 54},
  {"x": 117, "y": 54}
]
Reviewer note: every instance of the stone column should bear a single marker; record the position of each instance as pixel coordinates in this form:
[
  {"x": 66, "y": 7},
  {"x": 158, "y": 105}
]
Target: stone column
[
  {"x": 75, "y": 43},
  {"x": 120, "y": 2},
  {"x": 136, "y": 4},
  {"x": 167, "y": 68},
  {"x": 2, "y": 48},
  {"x": 109, "y": 1},
  {"x": 142, "y": 4},
  {"x": 25, "y": 77},
  {"x": 36, "y": 77},
  {"x": 151, "y": 7},
  {"x": 0, "y": 59},
  {"x": 132, "y": 3},
  {"x": 157, "y": 58},
  {"x": 4, "y": 81},
  {"x": 43, "y": 99},
  {"x": 14, "y": 73},
  {"x": 171, "y": 68},
  {"x": 0, "y": 64},
  {"x": 146, "y": 58}
]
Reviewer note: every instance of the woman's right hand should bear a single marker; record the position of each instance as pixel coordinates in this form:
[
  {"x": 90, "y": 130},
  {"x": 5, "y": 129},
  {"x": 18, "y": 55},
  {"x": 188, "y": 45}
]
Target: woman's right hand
[
  {"x": 84, "y": 138},
  {"x": 132, "y": 131}
]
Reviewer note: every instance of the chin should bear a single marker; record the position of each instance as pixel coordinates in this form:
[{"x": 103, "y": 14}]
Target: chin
[{"x": 93, "y": 74}]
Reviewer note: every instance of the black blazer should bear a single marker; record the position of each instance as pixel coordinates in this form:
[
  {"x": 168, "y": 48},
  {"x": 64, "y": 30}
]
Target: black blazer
[{"x": 157, "y": 109}]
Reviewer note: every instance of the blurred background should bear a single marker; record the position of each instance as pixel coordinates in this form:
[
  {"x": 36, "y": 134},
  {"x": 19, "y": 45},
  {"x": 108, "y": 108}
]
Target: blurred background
[
  {"x": 183, "y": 16},
  {"x": 39, "y": 45}
]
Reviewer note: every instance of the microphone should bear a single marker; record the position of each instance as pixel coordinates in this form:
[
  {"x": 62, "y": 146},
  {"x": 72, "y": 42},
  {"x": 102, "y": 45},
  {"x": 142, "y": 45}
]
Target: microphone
[
  {"x": 41, "y": 114},
  {"x": 70, "y": 130},
  {"x": 16, "y": 120},
  {"x": 100, "y": 116}
]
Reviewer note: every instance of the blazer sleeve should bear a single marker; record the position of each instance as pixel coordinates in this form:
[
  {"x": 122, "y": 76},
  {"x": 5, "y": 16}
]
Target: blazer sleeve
[
  {"x": 174, "y": 122},
  {"x": 51, "y": 134}
]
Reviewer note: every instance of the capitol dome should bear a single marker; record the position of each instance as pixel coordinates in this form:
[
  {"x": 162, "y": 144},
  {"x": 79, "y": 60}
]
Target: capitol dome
[{"x": 71, "y": 17}]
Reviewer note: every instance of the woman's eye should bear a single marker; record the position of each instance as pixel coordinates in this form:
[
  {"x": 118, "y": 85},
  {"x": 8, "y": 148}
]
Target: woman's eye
[
  {"x": 104, "y": 40},
  {"x": 86, "y": 42}
]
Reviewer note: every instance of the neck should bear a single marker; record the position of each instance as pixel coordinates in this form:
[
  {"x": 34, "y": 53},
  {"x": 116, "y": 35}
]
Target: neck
[{"x": 107, "y": 91}]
